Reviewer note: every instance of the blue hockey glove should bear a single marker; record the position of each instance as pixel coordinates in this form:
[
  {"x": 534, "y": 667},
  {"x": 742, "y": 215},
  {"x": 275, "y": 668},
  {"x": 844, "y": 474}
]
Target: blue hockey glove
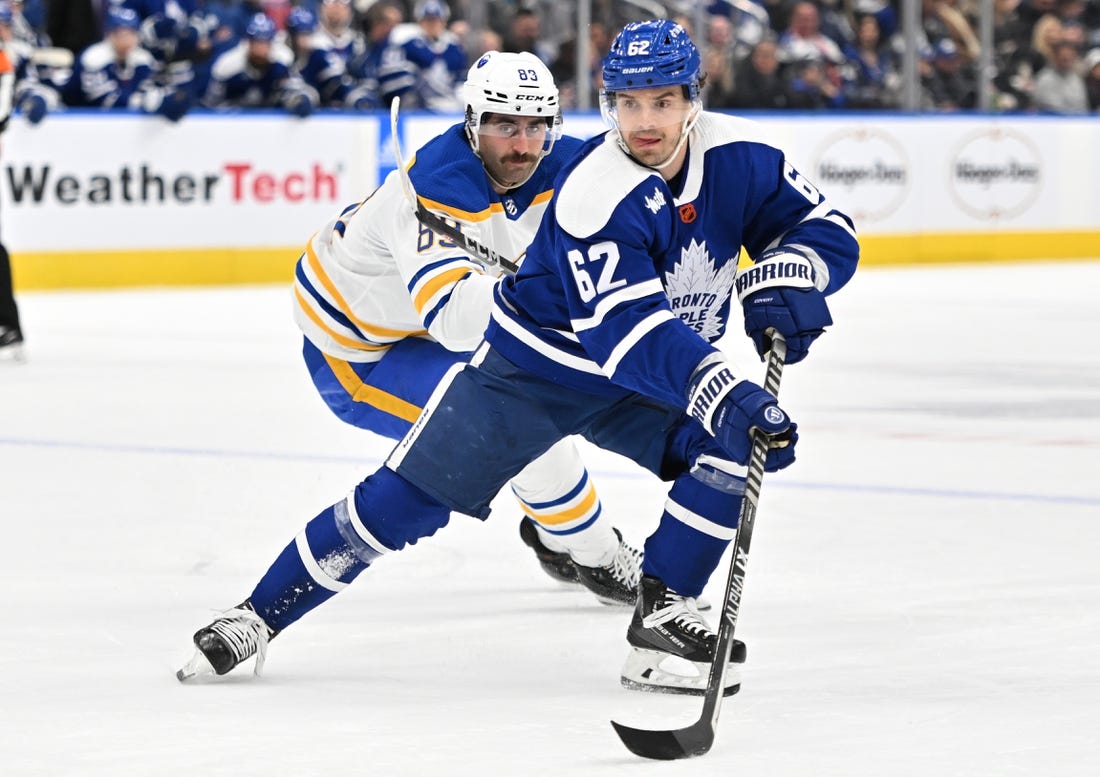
[
  {"x": 34, "y": 107},
  {"x": 730, "y": 409},
  {"x": 778, "y": 291},
  {"x": 175, "y": 104},
  {"x": 299, "y": 104}
]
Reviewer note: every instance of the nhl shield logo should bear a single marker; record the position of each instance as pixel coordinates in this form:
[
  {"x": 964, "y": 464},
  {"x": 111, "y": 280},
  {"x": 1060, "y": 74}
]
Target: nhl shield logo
[{"x": 687, "y": 213}]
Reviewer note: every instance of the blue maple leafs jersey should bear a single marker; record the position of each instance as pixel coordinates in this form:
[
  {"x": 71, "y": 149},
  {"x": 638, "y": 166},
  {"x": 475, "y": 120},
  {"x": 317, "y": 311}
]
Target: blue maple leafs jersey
[{"x": 628, "y": 282}]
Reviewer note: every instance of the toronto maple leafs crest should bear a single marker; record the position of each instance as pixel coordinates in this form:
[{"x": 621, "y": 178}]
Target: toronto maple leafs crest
[
  {"x": 697, "y": 290},
  {"x": 656, "y": 202}
]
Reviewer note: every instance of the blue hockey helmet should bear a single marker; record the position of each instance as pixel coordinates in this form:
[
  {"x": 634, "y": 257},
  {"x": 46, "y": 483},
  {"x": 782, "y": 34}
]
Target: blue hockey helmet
[
  {"x": 650, "y": 54},
  {"x": 119, "y": 17},
  {"x": 427, "y": 8},
  {"x": 6, "y": 15},
  {"x": 301, "y": 21},
  {"x": 260, "y": 27}
]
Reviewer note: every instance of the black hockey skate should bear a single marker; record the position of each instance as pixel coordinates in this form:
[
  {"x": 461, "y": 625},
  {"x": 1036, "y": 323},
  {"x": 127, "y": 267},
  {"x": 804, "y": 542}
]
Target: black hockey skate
[
  {"x": 616, "y": 583},
  {"x": 11, "y": 344},
  {"x": 558, "y": 565},
  {"x": 671, "y": 645},
  {"x": 232, "y": 638}
]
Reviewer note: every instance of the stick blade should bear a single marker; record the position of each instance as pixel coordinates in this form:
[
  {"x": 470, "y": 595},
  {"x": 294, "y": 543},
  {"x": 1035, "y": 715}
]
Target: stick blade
[{"x": 695, "y": 740}]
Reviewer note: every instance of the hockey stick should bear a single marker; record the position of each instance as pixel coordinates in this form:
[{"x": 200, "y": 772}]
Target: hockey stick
[
  {"x": 481, "y": 253},
  {"x": 696, "y": 739}
]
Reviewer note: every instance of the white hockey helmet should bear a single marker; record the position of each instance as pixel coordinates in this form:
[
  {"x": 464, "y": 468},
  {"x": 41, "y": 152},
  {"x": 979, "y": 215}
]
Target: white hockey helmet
[{"x": 512, "y": 85}]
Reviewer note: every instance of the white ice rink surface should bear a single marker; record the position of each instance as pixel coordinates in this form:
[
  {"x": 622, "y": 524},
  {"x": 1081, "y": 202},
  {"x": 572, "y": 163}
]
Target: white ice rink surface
[{"x": 923, "y": 596}]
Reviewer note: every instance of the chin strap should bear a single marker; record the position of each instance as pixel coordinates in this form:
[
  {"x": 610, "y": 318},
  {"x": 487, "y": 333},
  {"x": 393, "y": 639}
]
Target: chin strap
[{"x": 685, "y": 130}]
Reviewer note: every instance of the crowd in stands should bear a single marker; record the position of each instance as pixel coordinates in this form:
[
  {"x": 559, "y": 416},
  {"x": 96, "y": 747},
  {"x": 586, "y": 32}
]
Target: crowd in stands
[{"x": 166, "y": 57}]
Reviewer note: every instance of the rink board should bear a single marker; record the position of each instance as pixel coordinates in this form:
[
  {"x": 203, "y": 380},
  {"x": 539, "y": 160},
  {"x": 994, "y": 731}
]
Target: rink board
[{"x": 91, "y": 200}]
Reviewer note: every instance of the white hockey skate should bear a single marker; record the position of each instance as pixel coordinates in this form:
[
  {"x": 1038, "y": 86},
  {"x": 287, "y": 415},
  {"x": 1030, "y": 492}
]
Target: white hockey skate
[
  {"x": 671, "y": 646},
  {"x": 231, "y": 639}
]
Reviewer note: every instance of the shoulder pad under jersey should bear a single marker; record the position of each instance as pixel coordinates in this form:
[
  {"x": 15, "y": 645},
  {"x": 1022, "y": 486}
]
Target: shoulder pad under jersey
[
  {"x": 593, "y": 189},
  {"x": 446, "y": 171},
  {"x": 717, "y": 129}
]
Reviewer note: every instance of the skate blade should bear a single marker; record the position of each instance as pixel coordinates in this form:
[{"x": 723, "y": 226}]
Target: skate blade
[
  {"x": 196, "y": 670},
  {"x": 657, "y": 672}
]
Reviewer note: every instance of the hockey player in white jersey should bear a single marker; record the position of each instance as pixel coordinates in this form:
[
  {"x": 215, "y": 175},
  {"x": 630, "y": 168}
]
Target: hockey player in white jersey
[
  {"x": 607, "y": 331},
  {"x": 388, "y": 308}
]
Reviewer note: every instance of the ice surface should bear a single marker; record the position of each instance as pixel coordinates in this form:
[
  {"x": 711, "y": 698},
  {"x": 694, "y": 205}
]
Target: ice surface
[{"x": 922, "y": 599}]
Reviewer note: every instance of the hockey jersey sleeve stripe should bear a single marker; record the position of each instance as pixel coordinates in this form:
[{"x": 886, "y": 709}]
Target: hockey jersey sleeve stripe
[
  {"x": 563, "y": 358},
  {"x": 342, "y": 304},
  {"x": 611, "y": 301},
  {"x": 431, "y": 288},
  {"x": 644, "y": 327},
  {"x": 370, "y": 395},
  {"x": 344, "y": 340}
]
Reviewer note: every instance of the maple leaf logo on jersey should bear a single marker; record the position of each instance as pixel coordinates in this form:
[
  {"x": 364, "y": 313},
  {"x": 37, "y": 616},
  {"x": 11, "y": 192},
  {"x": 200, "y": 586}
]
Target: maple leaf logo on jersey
[
  {"x": 656, "y": 202},
  {"x": 697, "y": 290}
]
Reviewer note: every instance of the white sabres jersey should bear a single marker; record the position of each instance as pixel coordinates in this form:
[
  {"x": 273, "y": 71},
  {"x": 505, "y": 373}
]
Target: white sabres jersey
[{"x": 374, "y": 275}]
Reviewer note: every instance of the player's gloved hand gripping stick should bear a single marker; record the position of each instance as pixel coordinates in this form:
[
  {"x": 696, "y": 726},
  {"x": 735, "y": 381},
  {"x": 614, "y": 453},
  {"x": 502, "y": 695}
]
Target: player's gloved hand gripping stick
[{"x": 697, "y": 738}]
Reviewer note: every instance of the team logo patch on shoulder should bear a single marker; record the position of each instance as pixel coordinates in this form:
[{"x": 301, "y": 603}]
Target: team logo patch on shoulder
[
  {"x": 687, "y": 213},
  {"x": 656, "y": 202}
]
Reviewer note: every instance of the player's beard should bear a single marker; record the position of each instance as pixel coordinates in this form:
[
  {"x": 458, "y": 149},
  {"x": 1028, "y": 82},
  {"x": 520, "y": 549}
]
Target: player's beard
[{"x": 512, "y": 170}]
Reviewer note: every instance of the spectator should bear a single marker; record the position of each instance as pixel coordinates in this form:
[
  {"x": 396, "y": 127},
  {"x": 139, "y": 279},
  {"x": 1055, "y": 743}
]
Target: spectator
[
  {"x": 758, "y": 83},
  {"x": 947, "y": 84},
  {"x": 1013, "y": 59},
  {"x": 424, "y": 64},
  {"x": 718, "y": 62},
  {"x": 256, "y": 73},
  {"x": 321, "y": 68},
  {"x": 378, "y": 23},
  {"x": 1092, "y": 79},
  {"x": 749, "y": 23},
  {"x": 1047, "y": 31},
  {"x": 803, "y": 39},
  {"x": 171, "y": 30},
  {"x": 118, "y": 73},
  {"x": 810, "y": 87},
  {"x": 941, "y": 20},
  {"x": 1060, "y": 87},
  {"x": 524, "y": 34},
  {"x": 876, "y": 80},
  {"x": 336, "y": 32}
]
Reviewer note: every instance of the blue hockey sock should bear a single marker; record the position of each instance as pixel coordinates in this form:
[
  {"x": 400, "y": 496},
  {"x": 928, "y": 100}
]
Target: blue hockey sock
[
  {"x": 316, "y": 565},
  {"x": 384, "y": 513},
  {"x": 699, "y": 520}
]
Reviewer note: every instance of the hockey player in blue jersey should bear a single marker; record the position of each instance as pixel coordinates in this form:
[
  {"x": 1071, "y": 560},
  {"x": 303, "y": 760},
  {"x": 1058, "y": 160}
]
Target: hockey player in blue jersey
[
  {"x": 117, "y": 73},
  {"x": 259, "y": 73},
  {"x": 388, "y": 308},
  {"x": 607, "y": 331}
]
